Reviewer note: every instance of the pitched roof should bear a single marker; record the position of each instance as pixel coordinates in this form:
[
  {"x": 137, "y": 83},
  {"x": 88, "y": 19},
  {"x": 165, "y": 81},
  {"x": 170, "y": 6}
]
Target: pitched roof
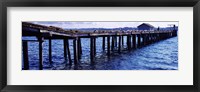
[{"x": 146, "y": 24}]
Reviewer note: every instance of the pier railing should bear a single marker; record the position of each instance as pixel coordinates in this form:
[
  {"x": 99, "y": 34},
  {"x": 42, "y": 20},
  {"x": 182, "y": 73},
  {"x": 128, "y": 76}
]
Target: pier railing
[{"x": 135, "y": 39}]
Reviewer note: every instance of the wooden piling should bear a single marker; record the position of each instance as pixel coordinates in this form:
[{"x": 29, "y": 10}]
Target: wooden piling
[
  {"x": 119, "y": 44},
  {"x": 25, "y": 55},
  {"x": 68, "y": 52},
  {"x": 79, "y": 48},
  {"x": 75, "y": 46},
  {"x": 108, "y": 45},
  {"x": 65, "y": 49},
  {"x": 94, "y": 45},
  {"x": 92, "y": 50},
  {"x": 80, "y": 45},
  {"x": 113, "y": 43},
  {"x": 50, "y": 52},
  {"x": 103, "y": 44},
  {"x": 40, "y": 53},
  {"x": 122, "y": 41},
  {"x": 133, "y": 41},
  {"x": 139, "y": 40},
  {"x": 129, "y": 42}
]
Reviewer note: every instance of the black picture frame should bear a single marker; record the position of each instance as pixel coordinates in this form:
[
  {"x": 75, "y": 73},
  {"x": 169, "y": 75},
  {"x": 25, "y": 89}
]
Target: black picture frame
[{"x": 100, "y": 3}]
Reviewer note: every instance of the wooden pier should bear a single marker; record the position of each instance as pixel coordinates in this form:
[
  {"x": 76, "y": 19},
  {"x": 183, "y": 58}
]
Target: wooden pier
[{"x": 115, "y": 41}]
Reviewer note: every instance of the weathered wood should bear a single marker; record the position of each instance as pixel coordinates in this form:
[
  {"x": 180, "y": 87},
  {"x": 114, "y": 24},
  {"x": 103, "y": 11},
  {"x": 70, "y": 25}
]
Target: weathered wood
[
  {"x": 139, "y": 40},
  {"x": 103, "y": 44},
  {"x": 122, "y": 41},
  {"x": 68, "y": 52},
  {"x": 129, "y": 42},
  {"x": 79, "y": 48},
  {"x": 92, "y": 50},
  {"x": 133, "y": 41},
  {"x": 108, "y": 45},
  {"x": 75, "y": 46},
  {"x": 25, "y": 55},
  {"x": 94, "y": 45},
  {"x": 113, "y": 43},
  {"x": 65, "y": 49},
  {"x": 50, "y": 52},
  {"x": 40, "y": 54},
  {"x": 119, "y": 44}
]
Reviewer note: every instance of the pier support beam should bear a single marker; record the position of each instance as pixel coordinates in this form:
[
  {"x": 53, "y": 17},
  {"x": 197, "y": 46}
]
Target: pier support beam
[
  {"x": 119, "y": 44},
  {"x": 108, "y": 45},
  {"x": 92, "y": 50},
  {"x": 65, "y": 49},
  {"x": 50, "y": 52},
  {"x": 129, "y": 42},
  {"x": 122, "y": 41},
  {"x": 113, "y": 43},
  {"x": 94, "y": 45},
  {"x": 75, "y": 51},
  {"x": 41, "y": 39},
  {"x": 139, "y": 40},
  {"x": 134, "y": 41},
  {"x": 103, "y": 44},
  {"x": 25, "y": 55},
  {"x": 68, "y": 52},
  {"x": 79, "y": 48}
]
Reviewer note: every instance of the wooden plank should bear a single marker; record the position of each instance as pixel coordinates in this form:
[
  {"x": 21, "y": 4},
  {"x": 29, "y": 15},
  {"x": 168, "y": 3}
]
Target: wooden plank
[{"x": 25, "y": 55}]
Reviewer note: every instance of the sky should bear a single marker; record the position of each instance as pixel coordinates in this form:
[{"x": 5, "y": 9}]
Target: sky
[{"x": 82, "y": 24}]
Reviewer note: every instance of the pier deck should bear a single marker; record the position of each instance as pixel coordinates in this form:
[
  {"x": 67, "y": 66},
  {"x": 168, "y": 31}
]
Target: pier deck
[{"x": 135, "y": 39}]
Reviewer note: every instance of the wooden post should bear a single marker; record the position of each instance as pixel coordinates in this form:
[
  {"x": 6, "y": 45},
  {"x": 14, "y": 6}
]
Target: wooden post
[
  {"x": 40, "y": 53},
  {"x": 92, "y": 50},
  {"x": 25, "y": 55},
  {"x": 113, "y": 43},
  {"x": 94, "y": 45},
  {"x": 75, "y": 51},
  {"x": 143, "y": 39},
  {"x": 65, "y": 49},
  {"x": 133, "y": 41},
  {"x": 129, "y": 42},
  {"x": 68, "y": 52},
  {"x": 119, "y": 44},
  {"x": 122, "y": 41},
  {"x": 50, "y": 52},
  {"x": 139, "y": 41},
  {"x": 79, "y": 48},
  {"x": 108, "y": 45},
  {"x": 103, "y": 44}
]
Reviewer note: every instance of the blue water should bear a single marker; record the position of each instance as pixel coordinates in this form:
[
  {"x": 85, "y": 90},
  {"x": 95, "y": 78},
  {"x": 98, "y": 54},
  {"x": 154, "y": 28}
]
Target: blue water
[{"x": 162, "y": 55}]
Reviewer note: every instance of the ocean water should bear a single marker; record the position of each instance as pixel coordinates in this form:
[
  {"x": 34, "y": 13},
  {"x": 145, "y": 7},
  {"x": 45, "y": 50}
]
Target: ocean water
[{"x": 162, "y": 55}]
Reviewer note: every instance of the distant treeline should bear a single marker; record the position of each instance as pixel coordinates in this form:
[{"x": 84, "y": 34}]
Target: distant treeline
[{"x": 124, "y": 28}]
